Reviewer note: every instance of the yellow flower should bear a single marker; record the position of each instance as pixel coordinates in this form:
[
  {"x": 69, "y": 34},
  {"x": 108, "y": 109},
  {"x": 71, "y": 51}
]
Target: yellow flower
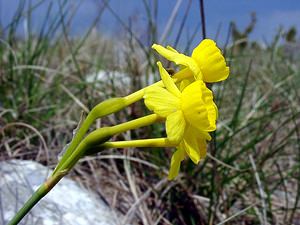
[
  {"x": 206, "y": 62},
  {"x": 190, "y": 114}
]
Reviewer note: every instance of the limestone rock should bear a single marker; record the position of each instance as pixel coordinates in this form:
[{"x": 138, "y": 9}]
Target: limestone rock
[{"x": 66, "y": 204}]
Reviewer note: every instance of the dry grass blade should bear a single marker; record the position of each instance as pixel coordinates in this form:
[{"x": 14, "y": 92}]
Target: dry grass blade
[
  {"x": 236, "y": 215},
  {"x": 133, "y": 159},
  {"x": 10, "y": 49},
  {"x": 170, "y": 21},
  {"x": 130, "y": 213},
  {"x": 76, "y": 100},
  {"x": 261, "y": 191},
  {"x": 224, "y": 164},
  {"x": 135, "y": 190},
  {"x": 31, "y": 128}
]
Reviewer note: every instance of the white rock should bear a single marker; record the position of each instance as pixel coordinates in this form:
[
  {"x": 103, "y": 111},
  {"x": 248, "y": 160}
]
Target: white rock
[
  {"x": 115, "y": 77},
  {"x": 66, "y": 204}
]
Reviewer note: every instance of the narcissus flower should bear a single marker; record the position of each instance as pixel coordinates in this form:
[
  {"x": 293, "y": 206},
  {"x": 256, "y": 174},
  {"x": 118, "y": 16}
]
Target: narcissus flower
[
  {"x": 207, "y": 62},
  {"x": 190, "y": 114}
]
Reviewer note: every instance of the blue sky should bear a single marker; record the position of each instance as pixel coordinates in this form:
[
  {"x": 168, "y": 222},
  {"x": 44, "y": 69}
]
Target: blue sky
[{"x": 270, "y": 15}]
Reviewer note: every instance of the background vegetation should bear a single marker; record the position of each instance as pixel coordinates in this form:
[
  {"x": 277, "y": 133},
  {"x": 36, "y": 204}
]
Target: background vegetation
[{"x": 252, "y": 173}]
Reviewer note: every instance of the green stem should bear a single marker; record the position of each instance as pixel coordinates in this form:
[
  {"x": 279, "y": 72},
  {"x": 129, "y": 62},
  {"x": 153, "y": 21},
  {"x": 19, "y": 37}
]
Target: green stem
[
  {"x": 92, "y": 139},
  {"x": 102, "y": 109},
  {"x": 76, "y": 140},
  {"x": 153, "y": 142},
  {"x": 101, "y": 135},
  {"x": 36, "y": 197},
  {"x": 98, "y": 137}
]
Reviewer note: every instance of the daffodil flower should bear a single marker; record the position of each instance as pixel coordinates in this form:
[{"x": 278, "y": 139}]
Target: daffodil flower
[
  {"x": 207, "y": 62},
  {"x": 190, "y": 114}
]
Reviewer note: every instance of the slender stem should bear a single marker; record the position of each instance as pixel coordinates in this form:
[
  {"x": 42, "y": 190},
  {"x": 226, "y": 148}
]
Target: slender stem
[
  {"x": 36, "y": 197},
  {"x": 76, "y": 140},
  {"x": 101, "y": 135},
  {"x": 154, "y": 142},
  {"x": 93, "y": 138},
  {"x": 102, "y": 109},
  {"x": 137, "y": 123}
]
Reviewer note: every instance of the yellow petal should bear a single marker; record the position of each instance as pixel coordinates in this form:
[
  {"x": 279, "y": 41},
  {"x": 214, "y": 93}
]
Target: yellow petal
[
  {"x": 206, "y": 136},
  {"x": 184, "y": 83},
  {"x": 179, "y": 59},
  {"x": 211, "y": 61},
  {"x": 175, "y": 126},
  {"x": 168, "y": 81},
  {"x": 202, "y": 147},
  {"x": 194, "y": 144},
  {"x": 191, "y": 145},
  {"x": 198, "y": 109},
  {"x": 211, "y": 107},
  {"x": 161, "y": 101},
  {"x": 177, "y": 157},
  {"x": 201, "y": 137},
  {"x": 184, "y": 73},
  {"x": 212, "y": 112},
  {"x": 172, "y": 49},
  {"x": 200, "y": 133}
]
